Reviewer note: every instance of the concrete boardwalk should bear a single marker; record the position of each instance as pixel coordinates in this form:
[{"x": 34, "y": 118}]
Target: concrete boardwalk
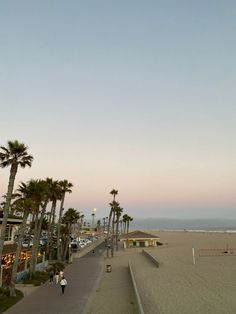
[{"x": 82, "y": 276}]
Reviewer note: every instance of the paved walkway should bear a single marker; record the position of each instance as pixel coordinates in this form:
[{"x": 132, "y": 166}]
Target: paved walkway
[
  {"x": 82, "y": 276},
  {"x": 115, "y": 293}
]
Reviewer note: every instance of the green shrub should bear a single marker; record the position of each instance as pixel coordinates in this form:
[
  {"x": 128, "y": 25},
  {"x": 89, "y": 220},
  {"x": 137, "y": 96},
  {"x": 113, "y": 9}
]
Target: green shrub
[
  {"x": 57, "y": 266},
  {"x": 6, "y": 301},
  {"x": 37, "y": 279}
]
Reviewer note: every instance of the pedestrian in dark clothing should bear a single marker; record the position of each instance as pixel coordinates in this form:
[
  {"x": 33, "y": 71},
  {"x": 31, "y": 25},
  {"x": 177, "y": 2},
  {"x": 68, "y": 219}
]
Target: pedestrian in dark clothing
[
  {"x": 51, "y": 275},
  {"x": 63, "y": 284}
]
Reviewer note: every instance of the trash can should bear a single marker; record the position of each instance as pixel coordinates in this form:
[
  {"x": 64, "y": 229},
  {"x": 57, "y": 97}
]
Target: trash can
[{"x": 108, "y": 268}]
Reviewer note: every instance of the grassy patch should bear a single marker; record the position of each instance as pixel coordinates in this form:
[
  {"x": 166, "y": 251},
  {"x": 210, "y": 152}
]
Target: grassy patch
[
  {"x": 6, "y": 301},
  {"x": 38, "y": 278}
]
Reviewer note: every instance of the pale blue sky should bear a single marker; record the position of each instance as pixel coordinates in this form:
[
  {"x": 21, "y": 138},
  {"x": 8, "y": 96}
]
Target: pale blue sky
[{"x": 135, "y": 95}]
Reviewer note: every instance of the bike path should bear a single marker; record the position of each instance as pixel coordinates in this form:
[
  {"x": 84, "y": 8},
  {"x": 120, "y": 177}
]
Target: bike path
[{"x": 82, "y": 276}]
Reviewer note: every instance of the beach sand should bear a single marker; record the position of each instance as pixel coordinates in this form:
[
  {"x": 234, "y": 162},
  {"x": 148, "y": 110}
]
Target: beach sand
[{"x": 177, "y": 286}]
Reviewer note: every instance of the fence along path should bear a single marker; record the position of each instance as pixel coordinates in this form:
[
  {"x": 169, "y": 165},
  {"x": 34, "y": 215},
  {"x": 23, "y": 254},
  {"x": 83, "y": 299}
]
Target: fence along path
[{"x": 217, "y": 252}]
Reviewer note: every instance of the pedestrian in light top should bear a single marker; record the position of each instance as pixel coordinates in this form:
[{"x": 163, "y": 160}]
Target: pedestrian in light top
[
  {"x": 57, "y": 277},
  {"x": 61, "y": 274},
  {"x": 63, "y": 284}
]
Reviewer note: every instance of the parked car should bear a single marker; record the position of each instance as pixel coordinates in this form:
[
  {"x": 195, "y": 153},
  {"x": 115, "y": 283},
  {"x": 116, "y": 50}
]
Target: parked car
[
  {"x": 27, "y": 243},
  {"x": 82, "y": 243},
  {"x": 74, "y": 247}
]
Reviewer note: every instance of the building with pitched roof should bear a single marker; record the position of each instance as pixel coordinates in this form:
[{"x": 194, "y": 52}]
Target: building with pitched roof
[{"x": 139, "y": 238}]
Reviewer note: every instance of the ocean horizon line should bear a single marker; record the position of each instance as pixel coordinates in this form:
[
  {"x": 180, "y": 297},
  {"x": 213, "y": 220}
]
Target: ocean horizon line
[{"x": 190, "y": 224}]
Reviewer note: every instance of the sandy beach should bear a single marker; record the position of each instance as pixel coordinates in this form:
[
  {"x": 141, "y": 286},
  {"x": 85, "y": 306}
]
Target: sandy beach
[{"x": 177, "y": 286}]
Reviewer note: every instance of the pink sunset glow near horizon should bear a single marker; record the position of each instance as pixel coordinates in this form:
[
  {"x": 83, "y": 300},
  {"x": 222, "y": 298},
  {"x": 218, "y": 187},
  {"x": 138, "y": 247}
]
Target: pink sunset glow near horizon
[{"x": 141, "y": 100}]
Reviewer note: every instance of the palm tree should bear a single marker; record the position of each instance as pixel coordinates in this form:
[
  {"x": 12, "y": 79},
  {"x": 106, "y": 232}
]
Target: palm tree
[
  {"x": 55, "y": 195},
  {"x": 37, "y": 191},
  {"x": 81, "y": 220},
  {"x": 128, "y": 221},
  {"x": 119, "y": 211},
  {"x": 125, "y": 219},
  {"x": 70, "y": 217},
  {"x": 14, "y": 155},
  {"x": 12, "y": 209},
  {"x": 104, "y": 223},
  {"x": 114, "y": 193},
  {"x": 25, "y": 205},
  {"x": 65, "y": 187},
  {"x": 110, "y": 235}
]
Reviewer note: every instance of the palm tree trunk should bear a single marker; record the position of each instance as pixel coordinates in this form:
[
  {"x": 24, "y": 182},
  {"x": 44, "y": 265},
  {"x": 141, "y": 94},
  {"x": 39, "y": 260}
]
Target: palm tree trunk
[
  {"x": 113, "y": 234},
  {"x": 38, "y": 234},
  {"x": 17, "y": 256},
  {"x": 117, "y": 230},
  {"x": 59, "y": 227},
  {"x": 48, "y": 232},
  {"x": 51, "y": 230},
  {"x": 6, "y": 207},
  {"x": 34, "y": 249},
  {"x": 67, "y": 242},
  {"x": 108, "y": 230}
]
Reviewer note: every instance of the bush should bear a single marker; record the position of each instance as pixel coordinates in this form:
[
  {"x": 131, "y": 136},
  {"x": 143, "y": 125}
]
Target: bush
[
  {"x": 6, "y": 301},
  {"x": 37, "y": 279},
  {"x": 57, "y": 266}
]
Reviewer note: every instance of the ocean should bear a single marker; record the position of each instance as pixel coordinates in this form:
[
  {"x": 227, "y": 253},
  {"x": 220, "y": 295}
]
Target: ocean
[{"x": 220, "y": 225}]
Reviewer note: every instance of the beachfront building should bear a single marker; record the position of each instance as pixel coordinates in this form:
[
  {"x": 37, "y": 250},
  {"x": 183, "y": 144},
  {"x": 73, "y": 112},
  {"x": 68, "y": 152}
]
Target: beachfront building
[
  {"x": 9, "y": 249},
  {"x": 13, "y": 223},
  {"x": 139, "y": 238}
]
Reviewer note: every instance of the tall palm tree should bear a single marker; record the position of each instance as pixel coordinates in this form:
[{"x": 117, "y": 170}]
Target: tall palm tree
[
  {"x": 55, "y": 195},
  {"x": 13, "y": 156},
  {"x": 70, "y": 217},
  {"x": 24, "y": 205},
  {"x": 37, "y": 191},
  {"x": 65, "y": 187},
  {"x": 125, "y": 219},
  {"x": 119, "y": 211},
  {"x": 81, "y": 220},
  {"x": 110, "y": 234},
  {"x": 12, "y": 209},
  {"x": 128, "y": 221},
  {"x": 114, "y": 193}
]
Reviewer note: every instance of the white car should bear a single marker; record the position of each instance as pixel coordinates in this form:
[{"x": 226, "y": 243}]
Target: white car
[
  {"x": 82, "y": 242},
  {"x": 26, "y": 243}
]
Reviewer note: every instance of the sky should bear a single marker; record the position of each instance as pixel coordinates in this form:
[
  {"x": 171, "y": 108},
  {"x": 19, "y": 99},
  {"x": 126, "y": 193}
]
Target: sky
[{"x": 133, "y": 95}]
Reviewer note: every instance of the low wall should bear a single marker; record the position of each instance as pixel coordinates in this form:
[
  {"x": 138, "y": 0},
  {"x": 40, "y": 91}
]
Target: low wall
[
  {"x": 152, "y": 258},
  {"x": 88, "y": 248},
  {"x": 23, "y": 274},
  {"x": 138, "y": 299}
]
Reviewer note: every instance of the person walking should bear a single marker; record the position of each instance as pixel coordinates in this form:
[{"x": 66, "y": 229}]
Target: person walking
[
  {"x": 57, "y": 277},
  {"x": 63, "y": 284},
  {"x": 51, "y": 275},
  {"x": 61, "y": 274}
]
